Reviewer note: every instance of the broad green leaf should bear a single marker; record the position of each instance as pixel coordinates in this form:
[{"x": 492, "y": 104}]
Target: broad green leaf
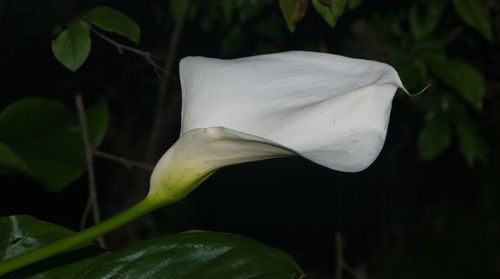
[
  {"x": 475, "y": 13},
  {"x": 422, "y": 27},
  {"x": 195, "y": 255},
  {"x": 46, "y": 136},
  {"x": 461, "y": 76},
  {"x": 72, "y": 46},
  {"x": 353, "y": 4},
  {"x": 330, "y": 10},
  {"x": 434, "y": 139},
  {"x": 21, "y": 234},
  {"x": 112, "y": 20},
  {"x": 293, "y": 11},
  {"x": 74, "y": 270},
  {"x": 470, "y": 143},
  {"x": 10, "y": 162}
]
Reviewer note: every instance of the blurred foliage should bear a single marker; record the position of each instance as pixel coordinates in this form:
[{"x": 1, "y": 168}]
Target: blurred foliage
[
  {"x": 42, "y": 139},
  {"x": 434, "y": 199}
]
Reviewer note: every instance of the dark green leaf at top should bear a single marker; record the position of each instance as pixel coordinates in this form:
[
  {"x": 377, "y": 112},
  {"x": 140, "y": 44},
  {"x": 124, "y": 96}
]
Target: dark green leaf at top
[
  {"x": 423, "y": 26},
  {"x": 330, "y": 10},
  {"x": 42, "y": 139},
  {"x": 457, "y": 74},
  {"x": 475, "y": 13},
  {"x": 112, "y": 20},
  {"x": 72, "y": 46},
  {"x": 293, "y": 11}
]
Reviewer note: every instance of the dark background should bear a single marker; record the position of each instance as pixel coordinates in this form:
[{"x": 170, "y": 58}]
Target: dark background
[{"x": 403, "y": 217}]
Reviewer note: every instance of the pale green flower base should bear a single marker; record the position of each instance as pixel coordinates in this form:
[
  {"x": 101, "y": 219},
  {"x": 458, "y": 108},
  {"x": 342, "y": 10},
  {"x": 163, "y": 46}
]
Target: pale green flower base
[{"x": 141, "y": 208}]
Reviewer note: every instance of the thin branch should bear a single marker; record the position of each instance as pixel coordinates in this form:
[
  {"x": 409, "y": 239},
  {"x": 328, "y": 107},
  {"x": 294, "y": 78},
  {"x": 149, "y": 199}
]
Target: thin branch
[
  {"x": 163, "y": 86},
  {"x": 145, "y": 54},
  {"x": 92, "y": 202},
  {"x": 128, "y": 163}
]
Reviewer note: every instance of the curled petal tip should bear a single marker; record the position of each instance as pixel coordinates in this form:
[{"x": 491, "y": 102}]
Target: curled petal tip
[{"x": 415, "y": 94}]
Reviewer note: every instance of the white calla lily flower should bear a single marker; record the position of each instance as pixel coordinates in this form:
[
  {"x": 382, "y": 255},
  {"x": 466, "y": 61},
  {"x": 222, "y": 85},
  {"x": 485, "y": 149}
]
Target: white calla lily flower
[{"x": 330, "y": 109}]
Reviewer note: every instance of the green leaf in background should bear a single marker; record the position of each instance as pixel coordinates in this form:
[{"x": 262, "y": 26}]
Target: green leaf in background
[
  {"x": 423, "y": 27},
  {"x": 10, "y": 161},
  {"x": 475, "y": 13},
  {"x": 194, "y": 255},
  {"x": 470, "y": 143},
  {"x": 467, "y": 81},
  {"x": 228, "y": 6},
  {"x": 43, "y": 140},
  {"x": 353, "y": 4},
  {"x": 21, "y": 234},
  {"x": 434, "y": 139},
  {"x": 112, "y": 20},
  {"x": 293, "y": 11},
  {"x": 251, "y": 9},
  {"x": 411, "y": 69},
  {"x": 232, "y": 42},
  {"x": 330, "y": 10},
  {"x": 72, "y": 46}
]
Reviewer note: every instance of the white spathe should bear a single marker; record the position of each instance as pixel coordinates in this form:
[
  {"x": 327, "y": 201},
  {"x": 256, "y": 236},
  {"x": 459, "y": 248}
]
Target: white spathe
[{"x": 330, "y": 109}]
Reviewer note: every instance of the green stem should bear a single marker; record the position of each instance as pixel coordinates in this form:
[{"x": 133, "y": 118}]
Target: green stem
[{"x": 145, "y": 206}]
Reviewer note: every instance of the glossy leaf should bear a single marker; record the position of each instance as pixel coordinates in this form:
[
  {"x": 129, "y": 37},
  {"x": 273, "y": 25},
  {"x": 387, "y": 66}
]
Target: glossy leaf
[
  {"x": 293, "y": 11},
  {"x": 112, "y": 20},
  {"x": 460, "y": 75},
  {"x": 195, "y": 255},
  {"x": 475, "y": 13},
  {"x": 434, "y": 139},
  {"x": 20, "y": 234},
  {"x": 422, "y": 27},
  {"x": 74, "y": 270},
  {"x": 46, "y": 139},
  {"x": 72, "y": 46},
  {"x": 330, "y": 10}
]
